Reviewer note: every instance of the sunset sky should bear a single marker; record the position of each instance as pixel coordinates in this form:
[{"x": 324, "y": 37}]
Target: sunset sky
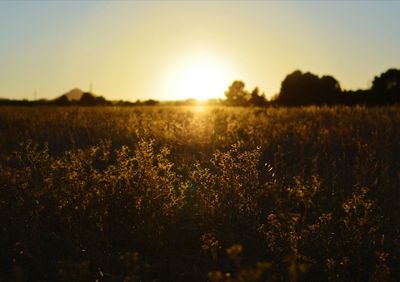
[{"x": 175, "y": 50}]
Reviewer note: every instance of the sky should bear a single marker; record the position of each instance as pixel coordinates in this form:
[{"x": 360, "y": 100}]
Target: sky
[{"x": 168, "y": 50}]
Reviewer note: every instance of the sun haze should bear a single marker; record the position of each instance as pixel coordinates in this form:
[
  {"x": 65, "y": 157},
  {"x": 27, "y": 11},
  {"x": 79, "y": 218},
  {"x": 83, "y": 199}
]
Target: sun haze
[
  {"x": 200, "y": 76},
  {"x": 177, "y": 50}
]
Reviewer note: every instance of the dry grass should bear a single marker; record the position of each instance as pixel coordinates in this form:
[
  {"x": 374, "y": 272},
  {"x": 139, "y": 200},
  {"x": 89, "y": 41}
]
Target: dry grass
[{"x": 185, "y": 194}]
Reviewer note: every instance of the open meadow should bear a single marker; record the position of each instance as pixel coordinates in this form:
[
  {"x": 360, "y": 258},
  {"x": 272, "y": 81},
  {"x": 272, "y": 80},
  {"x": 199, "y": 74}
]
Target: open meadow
[{"x": 163, "y": 193}]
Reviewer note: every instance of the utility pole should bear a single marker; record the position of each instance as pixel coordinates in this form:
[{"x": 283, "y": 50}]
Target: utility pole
[{"x": 91, "y": 88}]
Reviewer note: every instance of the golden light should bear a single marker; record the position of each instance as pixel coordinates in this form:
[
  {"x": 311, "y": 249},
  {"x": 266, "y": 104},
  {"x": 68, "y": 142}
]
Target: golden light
[{"x": 199, "y": 77}]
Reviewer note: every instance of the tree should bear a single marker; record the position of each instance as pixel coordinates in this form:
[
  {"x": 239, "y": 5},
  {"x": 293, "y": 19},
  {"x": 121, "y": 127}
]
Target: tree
[
  {"x": 87, "y": 99},
  {"x": 306, "y": 88},
  {"x": 330, "y": 89},
  {"x": 236, "y": 94},
  {"x": 62, "y": 100},
  {"x": 257, "y": 99},
  {"x": 101, "y": 101},
  {"x": 388, "y": 83}
]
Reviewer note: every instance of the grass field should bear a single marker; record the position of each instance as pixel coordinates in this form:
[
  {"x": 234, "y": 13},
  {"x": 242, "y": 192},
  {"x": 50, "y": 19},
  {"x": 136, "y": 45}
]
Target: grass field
[{"x": 195, "y": 194}]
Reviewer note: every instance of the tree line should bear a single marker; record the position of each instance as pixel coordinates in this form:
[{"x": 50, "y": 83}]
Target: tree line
[
  {"x": 298, "y": 89},
  {"x": 87, "y": 99}
]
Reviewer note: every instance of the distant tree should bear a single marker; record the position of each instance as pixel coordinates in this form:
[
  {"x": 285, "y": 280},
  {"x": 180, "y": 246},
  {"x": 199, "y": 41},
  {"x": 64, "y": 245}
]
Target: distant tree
[
  {"x": 101, "y": 101},
  {"x": 330, "y": 84},
  {"x": 297, "y": 88},
  {"x": 306, "y": 88},
  {"x": 257, "y": 99},
  {"x": 388, "y": 83},
  {"x": 62, "y": 100},
  {"x": 87, "y": 99},
  {"x": 150, "y": 102},
  {"x": 236, "y": 95},
  {"x": 330, "y": 89}
]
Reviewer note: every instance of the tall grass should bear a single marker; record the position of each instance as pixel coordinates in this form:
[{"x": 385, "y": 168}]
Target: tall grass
[{"x": 175, "y": 194}]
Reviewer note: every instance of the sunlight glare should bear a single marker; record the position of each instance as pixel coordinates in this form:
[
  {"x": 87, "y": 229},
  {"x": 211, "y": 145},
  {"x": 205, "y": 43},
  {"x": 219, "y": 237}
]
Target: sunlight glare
[
  {"x": 199, "y": 108},
  {"x": 201, "y": 81},
  {"x": 201, "y": 78}
]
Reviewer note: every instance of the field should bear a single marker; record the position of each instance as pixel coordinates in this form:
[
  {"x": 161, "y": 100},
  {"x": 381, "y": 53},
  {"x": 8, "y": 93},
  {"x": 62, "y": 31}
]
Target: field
[{"x": 195, "y": 194}]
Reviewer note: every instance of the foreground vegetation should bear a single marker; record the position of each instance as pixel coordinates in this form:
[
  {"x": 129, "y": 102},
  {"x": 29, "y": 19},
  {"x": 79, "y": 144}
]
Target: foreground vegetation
[{"x": 192, "y": 194}]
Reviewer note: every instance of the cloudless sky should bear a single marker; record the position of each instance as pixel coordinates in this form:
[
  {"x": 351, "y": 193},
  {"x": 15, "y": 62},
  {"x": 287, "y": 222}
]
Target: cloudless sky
[{"x": 139, "y": 50}]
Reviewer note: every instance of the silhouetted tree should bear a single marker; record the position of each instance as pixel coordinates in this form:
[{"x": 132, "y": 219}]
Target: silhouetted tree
[
  {"x": 87, "y": 99},
  {"x": 330, "y": 89},
  {"x": 330, "y": 84},
  {"x": 388, "y": 83},
  {"x": 257, "y": 99},
  {"x": 306, "y": 88},
  {"x": 236, "y": 94},
  {"x": 101, "y": 101},
  {"x": 62, "y": 100},
  {"x": 150, "y": 102}
]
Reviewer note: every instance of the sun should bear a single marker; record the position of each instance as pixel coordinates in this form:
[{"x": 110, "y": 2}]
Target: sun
[
  {"x": 199, "y": 77},
  {"x": 202, "y": 80}
]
